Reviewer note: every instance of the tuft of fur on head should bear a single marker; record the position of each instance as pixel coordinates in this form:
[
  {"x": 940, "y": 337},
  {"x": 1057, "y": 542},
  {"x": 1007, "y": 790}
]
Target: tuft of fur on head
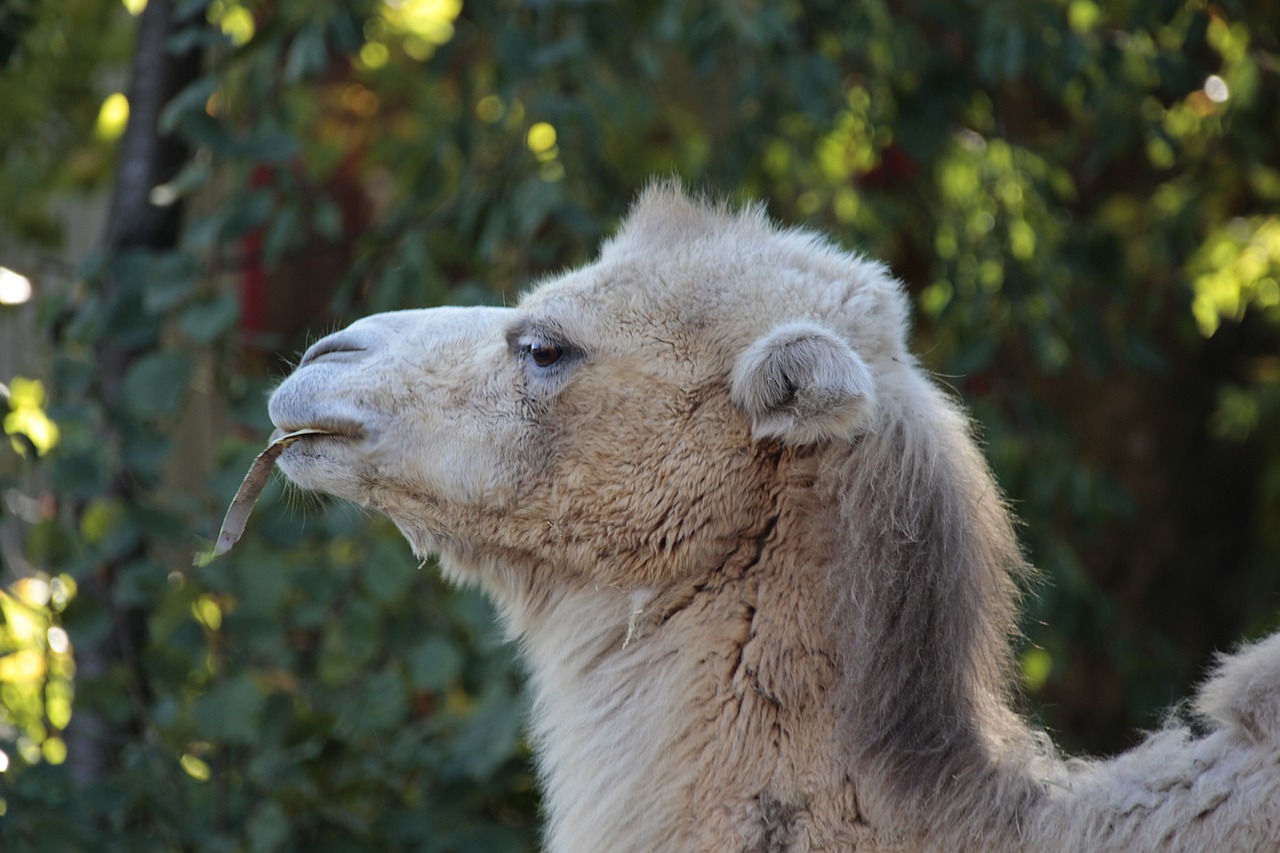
[{"x": 665, "y": 219}]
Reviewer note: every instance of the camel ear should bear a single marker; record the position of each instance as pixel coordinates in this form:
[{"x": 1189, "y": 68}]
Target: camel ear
[{"x": 801, "y": 383}]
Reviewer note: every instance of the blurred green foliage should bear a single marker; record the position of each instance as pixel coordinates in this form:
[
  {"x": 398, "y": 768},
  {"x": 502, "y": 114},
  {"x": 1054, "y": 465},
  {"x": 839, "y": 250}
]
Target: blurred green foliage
[{"x": 1084, "y": 200}]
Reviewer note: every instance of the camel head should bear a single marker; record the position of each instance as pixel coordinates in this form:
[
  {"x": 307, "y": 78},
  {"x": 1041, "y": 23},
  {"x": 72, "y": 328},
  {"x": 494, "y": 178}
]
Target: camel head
[{"x": 607, "y": 429}]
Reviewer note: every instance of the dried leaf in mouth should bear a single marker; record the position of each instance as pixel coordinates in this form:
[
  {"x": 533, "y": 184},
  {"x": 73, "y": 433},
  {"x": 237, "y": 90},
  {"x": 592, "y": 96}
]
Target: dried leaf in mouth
[{"x": 247, "y": 495}]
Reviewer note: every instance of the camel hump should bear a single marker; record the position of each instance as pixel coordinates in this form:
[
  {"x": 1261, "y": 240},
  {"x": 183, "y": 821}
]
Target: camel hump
[{"x": 1243, "y": 693}]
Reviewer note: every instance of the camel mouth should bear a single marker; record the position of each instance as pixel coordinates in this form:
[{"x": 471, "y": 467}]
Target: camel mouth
[
  {"x": 288, "y": 434},
  {"x": 237, "y": 516}
]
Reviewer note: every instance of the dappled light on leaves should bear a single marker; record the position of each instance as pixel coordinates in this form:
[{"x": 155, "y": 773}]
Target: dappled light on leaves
[
  {"x": 541, "y": 140},
  {"x": 374, "y": 55},
  {"x": 15, "y": 288},
  {"x": 112, "y": 117},
  {"x": 36, "y": 667},
  {"x": 234, "y": 20},
  {"x": 1037, "y": 664},
  {"x": 26, "y": 423},
  {"x": 195, "y": 768},
  {"x": 852, "y": 145},
  {"x": 54, "y": 750},
  {"x": 994, "y": 224},
  {"x": 416, "y": 27},
  {"x": 1083, "y": 15},
  {"x": 207, "y": 612},
  {"x": 1237, "y": 268},
  {"x": 426, "y": 24}
]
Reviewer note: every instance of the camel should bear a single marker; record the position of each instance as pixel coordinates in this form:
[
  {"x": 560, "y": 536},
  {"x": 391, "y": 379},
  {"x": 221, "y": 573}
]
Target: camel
[{"x": 762, "y": 579}]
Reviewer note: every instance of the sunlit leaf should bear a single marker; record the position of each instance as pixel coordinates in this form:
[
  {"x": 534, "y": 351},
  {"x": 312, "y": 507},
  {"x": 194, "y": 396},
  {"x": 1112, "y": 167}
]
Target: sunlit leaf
[{"x": 112, "y": 117}]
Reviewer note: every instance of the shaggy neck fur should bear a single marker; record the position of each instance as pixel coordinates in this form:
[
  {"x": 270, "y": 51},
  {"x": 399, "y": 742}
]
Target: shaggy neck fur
[
  {"x": 925, "y": 606},
  {"x": 903, "y": 541},
  {"x": 719, "y": 714},
  {"x": 663, "y": 716}
]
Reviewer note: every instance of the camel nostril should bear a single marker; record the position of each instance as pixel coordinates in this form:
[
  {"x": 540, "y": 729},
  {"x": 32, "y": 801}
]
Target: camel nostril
[{"x": 330, "y": 346}]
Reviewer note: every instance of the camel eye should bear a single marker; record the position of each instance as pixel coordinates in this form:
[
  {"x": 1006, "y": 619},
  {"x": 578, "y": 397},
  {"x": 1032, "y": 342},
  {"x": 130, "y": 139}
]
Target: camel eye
[{"x": 544, "y": 354}]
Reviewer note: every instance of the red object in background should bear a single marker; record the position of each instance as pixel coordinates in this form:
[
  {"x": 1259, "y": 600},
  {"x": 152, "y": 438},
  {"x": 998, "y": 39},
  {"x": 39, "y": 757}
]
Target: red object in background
[
  {"x": 894, "y": 168},
  {"x": 281, "y": 306},
  {"x": 253, "y": 278}
]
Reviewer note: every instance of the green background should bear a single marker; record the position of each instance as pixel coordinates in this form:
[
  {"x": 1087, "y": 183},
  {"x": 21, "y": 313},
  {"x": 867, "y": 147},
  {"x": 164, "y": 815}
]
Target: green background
[{"x": 1083, "y": 200}]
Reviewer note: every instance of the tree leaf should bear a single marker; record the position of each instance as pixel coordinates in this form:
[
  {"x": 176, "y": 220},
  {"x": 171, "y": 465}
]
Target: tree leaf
[
  {"x": 156, "y": 385},
  {"x": 230, "y": 712},
  {"x": 434, "y": 664},
  {"x": 203, "y": 321}
]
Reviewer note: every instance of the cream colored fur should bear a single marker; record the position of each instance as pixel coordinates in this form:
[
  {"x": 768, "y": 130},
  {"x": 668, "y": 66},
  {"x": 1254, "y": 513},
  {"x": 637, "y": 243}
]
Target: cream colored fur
[{"x": 761, "y": 576}]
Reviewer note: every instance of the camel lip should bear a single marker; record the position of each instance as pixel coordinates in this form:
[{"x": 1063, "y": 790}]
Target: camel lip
[{"x": 291, "y": 432}]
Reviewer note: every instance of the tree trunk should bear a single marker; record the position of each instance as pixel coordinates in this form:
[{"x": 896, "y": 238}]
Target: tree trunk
[{"x": 147, "y": 159}]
